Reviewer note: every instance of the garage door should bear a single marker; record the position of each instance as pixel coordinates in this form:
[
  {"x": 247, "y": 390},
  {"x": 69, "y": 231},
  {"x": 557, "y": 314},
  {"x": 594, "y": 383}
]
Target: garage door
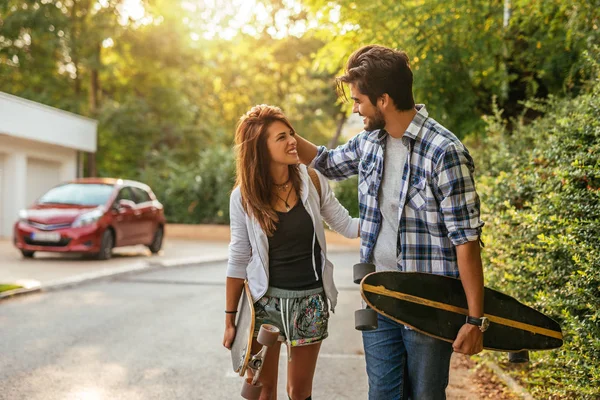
[
  {"x": 41, "y": 176},
  {"x": 2, "y": 196}
]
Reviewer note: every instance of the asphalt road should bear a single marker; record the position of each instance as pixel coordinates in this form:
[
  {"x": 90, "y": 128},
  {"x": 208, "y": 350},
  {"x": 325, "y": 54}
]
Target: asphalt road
[{"x": 153, "y": 336}]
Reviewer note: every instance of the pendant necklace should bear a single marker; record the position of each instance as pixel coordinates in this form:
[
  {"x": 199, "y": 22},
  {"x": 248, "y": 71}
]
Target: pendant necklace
[{"x": 287, "y": 206}]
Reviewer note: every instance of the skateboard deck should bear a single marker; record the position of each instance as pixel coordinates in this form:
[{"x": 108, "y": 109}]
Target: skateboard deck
[
  {"x": 242, "y": 358},
  {"x": 436, "y": 305},
  {"x": 242, "y": 343}
]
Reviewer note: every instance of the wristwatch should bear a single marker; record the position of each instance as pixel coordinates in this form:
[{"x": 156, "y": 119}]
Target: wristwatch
[{"x": 483, "y": 323}]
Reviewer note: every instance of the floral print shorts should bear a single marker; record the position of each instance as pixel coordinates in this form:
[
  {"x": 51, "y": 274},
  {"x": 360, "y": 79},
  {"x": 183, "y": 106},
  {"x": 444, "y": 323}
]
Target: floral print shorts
[{"x": 300, "y": 315}]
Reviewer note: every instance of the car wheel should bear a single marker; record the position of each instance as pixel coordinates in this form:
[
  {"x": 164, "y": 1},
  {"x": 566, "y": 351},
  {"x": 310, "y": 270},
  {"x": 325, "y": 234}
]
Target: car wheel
[
  {"x": 106, "y": 246},
  {"x": 156, "y": 244},
  {"x": 27, "y": 253}
]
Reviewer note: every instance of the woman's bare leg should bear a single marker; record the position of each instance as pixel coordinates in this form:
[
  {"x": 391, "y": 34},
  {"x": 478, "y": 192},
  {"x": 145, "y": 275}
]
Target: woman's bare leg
[
  {"x": 268, "y": 374},
  {"x": 301, "y": 371}
]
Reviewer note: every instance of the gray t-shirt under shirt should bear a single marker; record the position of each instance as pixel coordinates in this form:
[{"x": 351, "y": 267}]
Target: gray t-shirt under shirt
[{"x": 384, "y": 253}]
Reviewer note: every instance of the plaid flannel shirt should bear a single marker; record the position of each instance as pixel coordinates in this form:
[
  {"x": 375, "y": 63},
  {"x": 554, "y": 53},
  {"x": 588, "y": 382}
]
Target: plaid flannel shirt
[{"x": 438, "y": 208}]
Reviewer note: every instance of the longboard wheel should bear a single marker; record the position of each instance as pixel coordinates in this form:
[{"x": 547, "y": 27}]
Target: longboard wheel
[
  {"x": 267, "y": 335},
  {"x": 361, "y": 270},
  {"x": 250, "y": 391},
  {"x": 518, "y": 357},
  {"x": 365, "y": 320}
]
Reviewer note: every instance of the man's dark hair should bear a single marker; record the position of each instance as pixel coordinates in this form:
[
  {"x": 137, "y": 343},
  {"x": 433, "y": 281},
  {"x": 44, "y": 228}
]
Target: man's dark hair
[{"x": 376, "y": 70}]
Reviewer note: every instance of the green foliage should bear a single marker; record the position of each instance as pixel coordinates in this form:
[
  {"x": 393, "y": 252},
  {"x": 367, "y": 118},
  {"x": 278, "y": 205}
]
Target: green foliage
[
  {"x": 462, "y": 53},
  {"x": 193, "y": 193},
  {"x": 156, "y": 84},
  {"x": 49, "y": 49},
  {"x": 346, "y": 192},
  {"x": 6, "y": 287},
  {"x": 168, "y": 99},
  {"x": 540, "y": 188}
]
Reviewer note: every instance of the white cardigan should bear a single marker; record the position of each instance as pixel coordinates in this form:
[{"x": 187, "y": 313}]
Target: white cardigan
[{"x": 249, "y": 245}]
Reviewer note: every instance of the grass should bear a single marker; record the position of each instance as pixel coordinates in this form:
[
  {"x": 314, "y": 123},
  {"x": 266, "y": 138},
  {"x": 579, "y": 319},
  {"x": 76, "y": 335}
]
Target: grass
[{"x": 4, "y": 287}]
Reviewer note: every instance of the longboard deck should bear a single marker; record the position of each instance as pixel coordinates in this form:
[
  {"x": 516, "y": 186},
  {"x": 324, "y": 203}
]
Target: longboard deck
[
  {"x": 436, "y": 305},
  {"x": 242, "y": 343}
]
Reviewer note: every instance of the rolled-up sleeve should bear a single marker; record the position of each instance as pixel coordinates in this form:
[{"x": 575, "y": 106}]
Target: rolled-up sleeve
[
  {"x": 341, "y": 162},
  {"x": 455, "y": 186},
  {"x": 240, "y": 249}
]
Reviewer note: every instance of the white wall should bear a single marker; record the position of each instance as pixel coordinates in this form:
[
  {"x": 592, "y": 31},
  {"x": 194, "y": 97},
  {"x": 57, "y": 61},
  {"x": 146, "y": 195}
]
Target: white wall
[
  {"x": 15, "y": 168},
  {"x": 30, "y": 120},
  {"x": 18, "y": 154},
  {"x": 2, "y": 194}
]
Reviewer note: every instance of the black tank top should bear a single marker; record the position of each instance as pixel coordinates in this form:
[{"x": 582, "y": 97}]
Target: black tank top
[{"x": 291, "y": 251}]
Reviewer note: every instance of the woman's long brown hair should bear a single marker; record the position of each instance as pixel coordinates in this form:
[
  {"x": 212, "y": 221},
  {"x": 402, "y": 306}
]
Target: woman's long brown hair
[{"x": 253, "y": 174}]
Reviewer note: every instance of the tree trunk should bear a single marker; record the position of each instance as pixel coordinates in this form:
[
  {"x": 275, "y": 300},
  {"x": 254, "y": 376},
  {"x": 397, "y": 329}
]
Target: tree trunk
[
  {"x": 338, "y": 131},
  {"x": 94, "y": 103}
]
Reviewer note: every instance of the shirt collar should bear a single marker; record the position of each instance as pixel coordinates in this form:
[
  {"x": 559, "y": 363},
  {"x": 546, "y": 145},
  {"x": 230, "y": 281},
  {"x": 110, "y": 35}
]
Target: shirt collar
[
  {"x": 414, "y": 127},
  {"x": 417, "y": 123}
]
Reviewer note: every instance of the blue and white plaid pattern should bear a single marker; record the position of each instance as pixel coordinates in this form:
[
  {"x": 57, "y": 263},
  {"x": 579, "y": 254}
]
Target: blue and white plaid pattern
[{"x": 438, "y": 202}]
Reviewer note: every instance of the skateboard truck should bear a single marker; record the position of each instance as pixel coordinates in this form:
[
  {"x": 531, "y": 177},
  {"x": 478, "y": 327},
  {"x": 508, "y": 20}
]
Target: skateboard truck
[
  {"x": 365, "y": 319},
  {"x": 267, "y": 336},
  {"x": 518, "y": 357}
]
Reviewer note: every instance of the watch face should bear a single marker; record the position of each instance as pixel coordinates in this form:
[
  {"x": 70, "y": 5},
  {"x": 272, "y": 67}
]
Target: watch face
[{"x": 485, "y": 323}]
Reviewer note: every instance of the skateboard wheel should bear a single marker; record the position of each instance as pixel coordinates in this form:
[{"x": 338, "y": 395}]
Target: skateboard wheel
[
  {"x": 365, "y": 320},
  {"x": 267, "y": 335},
  {"x": 361, "y": 270},
  {"x": 250, "y": 391},
  {"x": 518, "y": 357}
]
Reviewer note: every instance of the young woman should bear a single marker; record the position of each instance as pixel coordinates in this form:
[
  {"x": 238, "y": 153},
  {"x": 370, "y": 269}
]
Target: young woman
[{"x": 278, "y": 245}]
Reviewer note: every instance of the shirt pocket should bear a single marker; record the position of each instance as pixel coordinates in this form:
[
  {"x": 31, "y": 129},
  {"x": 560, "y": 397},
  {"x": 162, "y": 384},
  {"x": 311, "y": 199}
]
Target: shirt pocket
[
  {"x": 417, "y": 193},
  {"x": 366, "y": 178}
]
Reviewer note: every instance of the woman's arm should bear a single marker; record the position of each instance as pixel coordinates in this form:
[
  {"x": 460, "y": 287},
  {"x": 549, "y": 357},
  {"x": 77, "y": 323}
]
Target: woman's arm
[
  {"x": 240, "y": 251},
  {"x": 233, "y": 291}
]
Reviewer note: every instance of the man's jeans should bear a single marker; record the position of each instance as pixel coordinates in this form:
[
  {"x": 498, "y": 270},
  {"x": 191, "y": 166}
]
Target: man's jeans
[{"x": 405, "y": 364}]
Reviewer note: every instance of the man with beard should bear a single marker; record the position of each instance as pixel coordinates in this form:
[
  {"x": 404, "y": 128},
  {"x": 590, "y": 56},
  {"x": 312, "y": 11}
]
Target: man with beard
[{"x": 419, "y": 211}]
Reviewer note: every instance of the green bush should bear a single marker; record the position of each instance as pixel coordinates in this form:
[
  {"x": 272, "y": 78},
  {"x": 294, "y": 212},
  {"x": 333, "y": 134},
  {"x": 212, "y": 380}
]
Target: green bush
[
  {"x": 346, "y": 192},
  {"x": 199, "y": 192},
  {"x": 193, "y": 193},
  {"x": 540, "y": 191}
]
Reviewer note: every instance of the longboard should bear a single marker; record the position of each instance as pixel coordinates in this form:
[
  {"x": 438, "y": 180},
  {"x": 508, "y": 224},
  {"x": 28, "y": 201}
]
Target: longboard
[
  {"x": 242, "y": 344},
  {"x": 242, "y": 358},
  {"x": 436, "y": 305}
]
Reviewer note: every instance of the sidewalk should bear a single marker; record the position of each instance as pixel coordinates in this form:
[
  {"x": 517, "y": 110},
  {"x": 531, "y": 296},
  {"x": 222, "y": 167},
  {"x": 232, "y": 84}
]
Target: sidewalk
[{"x": 46, "y": 267}]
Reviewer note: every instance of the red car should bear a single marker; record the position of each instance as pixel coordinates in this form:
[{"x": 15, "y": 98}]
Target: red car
[{"x": 91, "y": 215}]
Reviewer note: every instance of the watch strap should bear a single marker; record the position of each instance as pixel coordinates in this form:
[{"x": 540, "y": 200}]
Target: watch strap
[{"x": 474, "y": 321}]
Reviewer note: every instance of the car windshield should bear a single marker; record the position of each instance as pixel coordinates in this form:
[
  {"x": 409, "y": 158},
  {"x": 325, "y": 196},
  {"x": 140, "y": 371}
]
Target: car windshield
[{"x": 81, "y": 194}]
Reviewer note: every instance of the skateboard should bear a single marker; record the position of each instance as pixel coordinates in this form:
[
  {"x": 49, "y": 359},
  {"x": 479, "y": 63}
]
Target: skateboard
[
  {"x": 241, "y": 350},
  {"x": 436, "y": 305}
]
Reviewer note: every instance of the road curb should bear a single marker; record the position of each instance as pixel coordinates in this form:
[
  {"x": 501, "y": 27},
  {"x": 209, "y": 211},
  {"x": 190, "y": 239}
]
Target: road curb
[
  {"x": 109, "y": 273},
  {"x": 512, "y": 384}
]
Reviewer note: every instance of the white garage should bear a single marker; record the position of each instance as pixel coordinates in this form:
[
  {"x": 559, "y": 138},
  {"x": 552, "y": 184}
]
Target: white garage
[{"x": 40, "y": 147}]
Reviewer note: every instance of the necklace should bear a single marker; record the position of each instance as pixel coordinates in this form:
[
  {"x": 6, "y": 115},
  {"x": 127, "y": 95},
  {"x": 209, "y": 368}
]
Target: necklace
[
  {"x": 287, "y": 206},
  {"x": 282, "y": 187}
]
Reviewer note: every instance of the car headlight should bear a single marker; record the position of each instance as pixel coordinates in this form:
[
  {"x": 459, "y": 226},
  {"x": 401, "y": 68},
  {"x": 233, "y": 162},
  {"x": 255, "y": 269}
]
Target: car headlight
[
  {"x": 23, "y": 216},
  {"x": 88, "y": 218}
]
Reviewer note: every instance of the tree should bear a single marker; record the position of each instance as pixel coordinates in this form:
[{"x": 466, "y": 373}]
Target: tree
[{"x": 462, "y": 54}]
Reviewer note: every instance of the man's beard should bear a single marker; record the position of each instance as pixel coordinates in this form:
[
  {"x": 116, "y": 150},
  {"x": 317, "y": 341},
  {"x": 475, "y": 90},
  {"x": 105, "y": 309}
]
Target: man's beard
[{"x": 375, "y": 122}]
